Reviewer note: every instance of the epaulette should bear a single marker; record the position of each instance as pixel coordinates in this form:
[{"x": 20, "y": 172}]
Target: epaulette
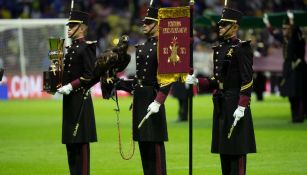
[
  {"x": 243, "y": 43},
  {"x": 90, "y": 42},
  {"x": 137, "y": 45},
  {"x": 213, "y": 47}
]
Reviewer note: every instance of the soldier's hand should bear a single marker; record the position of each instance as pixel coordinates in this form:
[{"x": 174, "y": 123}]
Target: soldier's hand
[
  {"x": 291, "y": 17},
  {"x": 290, "y": 14},
  {"x": 65, "y": 89},
  {"x": 239, "y": 112},
  {"x": 265, "y": 20},
  {"x": 153, "y": 107},
  {"x": 191, "y": 79}
]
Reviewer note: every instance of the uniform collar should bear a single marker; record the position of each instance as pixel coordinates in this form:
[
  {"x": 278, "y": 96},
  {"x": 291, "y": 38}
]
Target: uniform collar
[
  {"x": 229, "y": 40},
  {"x": 152, "y": 38},
  {"x": 79, "y": 40}
]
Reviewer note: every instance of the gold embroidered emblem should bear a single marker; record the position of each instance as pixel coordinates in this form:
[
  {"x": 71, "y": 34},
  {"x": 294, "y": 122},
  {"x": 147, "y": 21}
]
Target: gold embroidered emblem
[
  {"x": 174, "y": 58},
  {"x": 230, "y": 51}
]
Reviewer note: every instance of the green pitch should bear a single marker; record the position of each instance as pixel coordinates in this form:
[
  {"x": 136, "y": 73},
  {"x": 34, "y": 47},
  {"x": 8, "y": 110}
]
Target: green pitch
[{"x": 30, "y": 139}]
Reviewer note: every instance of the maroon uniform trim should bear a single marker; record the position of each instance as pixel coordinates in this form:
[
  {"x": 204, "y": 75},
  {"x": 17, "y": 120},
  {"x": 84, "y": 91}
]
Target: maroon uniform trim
[
  {"x": 241, "y": 165},
  {"x": 76, "y": 83},
  {"x": 161, "y": 97},
  {"x": 244, "y": 100},
  {"x": 158, "y": 160},
  {"x": 203, "y": 84},
  {"x": 85, "y": 159}
]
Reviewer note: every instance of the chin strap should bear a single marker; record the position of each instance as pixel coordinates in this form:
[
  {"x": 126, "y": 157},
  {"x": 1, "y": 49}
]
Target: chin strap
[
  {"x": 76, "y": 30},
  {"x": 152, "y": 28},
  {"x": 223, "y": 36}
]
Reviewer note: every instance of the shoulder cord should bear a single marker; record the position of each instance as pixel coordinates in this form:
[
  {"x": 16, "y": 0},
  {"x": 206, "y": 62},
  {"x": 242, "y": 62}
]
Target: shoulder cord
[{"x": 132, "y": 144}]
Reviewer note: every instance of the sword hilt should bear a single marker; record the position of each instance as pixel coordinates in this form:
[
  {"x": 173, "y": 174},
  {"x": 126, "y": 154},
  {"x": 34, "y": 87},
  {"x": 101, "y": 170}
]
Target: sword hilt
[
  {"x": 232, "y": 127},
  {"x": 230, "y": 132},
  {"x": 76, "y": 130},
  {"x": 144, "y": 119}
]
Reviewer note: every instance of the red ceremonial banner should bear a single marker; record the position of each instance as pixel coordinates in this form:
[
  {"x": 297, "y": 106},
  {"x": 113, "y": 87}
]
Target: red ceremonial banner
[{"x": 174, "y": 45}]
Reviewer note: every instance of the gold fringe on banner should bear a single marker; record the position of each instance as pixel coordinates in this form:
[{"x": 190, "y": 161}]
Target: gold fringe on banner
[
  {"x": 166, "y": 79},
  {"x": 172, "y": 12}
]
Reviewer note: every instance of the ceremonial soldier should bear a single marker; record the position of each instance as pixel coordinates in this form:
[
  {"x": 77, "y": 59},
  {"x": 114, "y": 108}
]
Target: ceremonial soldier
[
  {"x": 231, "y": 83},
  {"x": 149, "y": 97},
  {"x": 78, "y": 128},
  {"x": 293, "y": 84}
]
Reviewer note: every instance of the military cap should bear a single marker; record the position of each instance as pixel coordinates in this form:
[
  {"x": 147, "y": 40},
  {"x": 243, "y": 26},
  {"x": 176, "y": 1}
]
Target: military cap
[
  {"x": 231, "y": 15},
  {"x": 78, "y": 17},
  {"x": 152, "y": 14}
]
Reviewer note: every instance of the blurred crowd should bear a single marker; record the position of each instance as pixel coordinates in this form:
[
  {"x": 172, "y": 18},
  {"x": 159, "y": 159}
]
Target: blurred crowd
[
  {"x": 112, "y": 18},
  {"x": 136, "y": 8}
]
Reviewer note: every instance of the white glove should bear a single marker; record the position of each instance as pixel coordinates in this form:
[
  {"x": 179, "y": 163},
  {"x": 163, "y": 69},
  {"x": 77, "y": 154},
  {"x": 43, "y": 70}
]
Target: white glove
[
  {"x": 191, "y": 79},
  {"x": 290, "y": 14},
  {"x": 153, "y": 107},
  {"x": 239, "y": 112},
  {"x": 265, "y": 20},
  {"x": 65, "y": 89}
]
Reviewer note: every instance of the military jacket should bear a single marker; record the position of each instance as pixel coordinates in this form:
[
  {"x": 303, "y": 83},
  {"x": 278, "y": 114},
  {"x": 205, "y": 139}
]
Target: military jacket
[
  {"x": 146, "y": 62},
  {"x": 232, "y": 82},
  {"x": 233, "y": 60},
  {"x": 78, "y": 111},
  {"x": 79, "y": 62},
  {"x": 146, "y": 90}
]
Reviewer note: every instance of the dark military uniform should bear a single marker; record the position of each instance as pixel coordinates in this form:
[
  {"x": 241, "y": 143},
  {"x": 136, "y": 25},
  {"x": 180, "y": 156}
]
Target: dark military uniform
[
  {"x": 232, "y": 84},
  {"x": 146, "y": 89},
  {"x": 78, "y": 66},
  {"x": 153, "y": 133},
  {"x": 294, "y": 80},
  {"x": 79, "y": 126}
]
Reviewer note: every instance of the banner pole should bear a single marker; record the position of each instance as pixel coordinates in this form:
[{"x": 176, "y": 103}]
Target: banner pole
[{"x": 190, "y": 92}]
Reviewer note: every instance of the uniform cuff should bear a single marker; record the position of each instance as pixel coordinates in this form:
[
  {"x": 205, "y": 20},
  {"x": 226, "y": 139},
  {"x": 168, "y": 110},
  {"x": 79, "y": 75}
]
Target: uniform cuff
[
  {"x": 203, "y": 83},
  {"x": 76, "y": 83},
  {"x": 161, "y": 97},
  {"x": 244, "y": 100}
]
